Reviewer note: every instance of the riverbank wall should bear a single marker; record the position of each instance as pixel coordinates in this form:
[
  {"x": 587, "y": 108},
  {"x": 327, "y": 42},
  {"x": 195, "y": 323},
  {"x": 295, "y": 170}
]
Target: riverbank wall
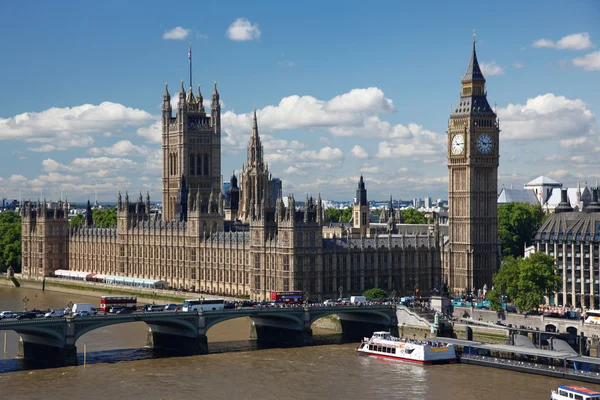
[{"x": 93, "y": 289}]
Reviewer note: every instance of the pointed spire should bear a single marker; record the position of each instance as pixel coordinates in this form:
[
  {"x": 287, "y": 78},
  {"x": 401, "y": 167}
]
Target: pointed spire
[
  {"x": 200, "y": 100},
  {"x": 190, "y": 96},
  {"x": 255, "y": 125},
  {"x": 215, "y": 92},
  {"x": 473, "y": 72},
  {"x": 166, "y": 95}
]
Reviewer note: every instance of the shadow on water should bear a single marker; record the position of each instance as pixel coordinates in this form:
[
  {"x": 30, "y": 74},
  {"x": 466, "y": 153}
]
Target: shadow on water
[{"x": 136, "y": 354}]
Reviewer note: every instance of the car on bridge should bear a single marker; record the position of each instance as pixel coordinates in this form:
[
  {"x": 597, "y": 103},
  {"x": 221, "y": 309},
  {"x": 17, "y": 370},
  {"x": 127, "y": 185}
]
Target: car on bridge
[
  {"x": 155, "y": 308},
  {"x": 82, "y": 314},
  {"x": 172, "y": 307},
  {"x": 125, "y": 311},
  {"x": 7, "y": 314},
  {"x": 27, "y": 315}
]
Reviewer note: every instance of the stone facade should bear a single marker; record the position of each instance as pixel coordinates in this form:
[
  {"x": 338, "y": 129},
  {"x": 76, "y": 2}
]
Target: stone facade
[
  {"x": 473, "y": 251},
  {"x": 268, "y": 247}
]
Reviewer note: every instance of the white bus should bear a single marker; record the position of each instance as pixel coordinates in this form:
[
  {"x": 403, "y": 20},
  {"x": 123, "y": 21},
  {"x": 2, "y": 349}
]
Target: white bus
[
  {"x": 203, "y": 304},
  {"x": 592, "y": 317}
]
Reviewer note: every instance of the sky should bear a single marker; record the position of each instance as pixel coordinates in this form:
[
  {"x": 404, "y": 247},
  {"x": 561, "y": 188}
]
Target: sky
[{"x": 341, "y": 88}]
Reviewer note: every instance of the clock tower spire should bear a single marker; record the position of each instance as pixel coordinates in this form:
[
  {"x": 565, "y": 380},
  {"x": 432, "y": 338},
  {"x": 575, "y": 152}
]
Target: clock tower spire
[{"x": 472, "y": 256}]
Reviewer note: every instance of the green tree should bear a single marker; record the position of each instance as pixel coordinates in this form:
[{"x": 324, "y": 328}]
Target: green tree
[
  {"x": 76, "y": 221},
  {"x": 412, "y": 216},
  {"x": 10, "y": 241},
  {"x": 375, "y": 293},
  {"x": 517, "y": 225},
  {"x": 525, "y": 281},
  {"x": 105, "y": 218},
  {"x": 333, "y": 214}
]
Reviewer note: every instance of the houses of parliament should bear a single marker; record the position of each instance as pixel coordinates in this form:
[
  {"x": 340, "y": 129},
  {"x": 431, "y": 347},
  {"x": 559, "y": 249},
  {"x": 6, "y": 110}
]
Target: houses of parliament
[{"x": 244, "y": 243}]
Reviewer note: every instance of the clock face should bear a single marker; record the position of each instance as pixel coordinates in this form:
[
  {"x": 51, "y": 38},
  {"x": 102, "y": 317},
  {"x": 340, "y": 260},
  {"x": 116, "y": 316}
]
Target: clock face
[
  {"x": 485, "y": 144},
  {"x": 458, "y": 144}
]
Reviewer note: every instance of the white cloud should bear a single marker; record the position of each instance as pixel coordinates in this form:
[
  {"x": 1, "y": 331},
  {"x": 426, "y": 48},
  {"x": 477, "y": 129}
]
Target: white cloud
[
  {"x": 575, "y": 41},
  {"x": 306, "y": 112},
  {"x": 547, "y": 117},
  {"x": 359, "y": 152},
  {"x": 589, "y": 62},
  {"x": 17, "y": 179},
  {"x": 518, "y": 65},
  {"x": 61, "y": 128},
  {"x": 269, "y": 143},
  {"x": 177, "y": 33},
  {"x": 241, "y": 30},
  {"x": 152, "y": 133},
  {"x": 82, "y": 165},
  {"x": 286, "y": 63},
  {"x": 369, "y": 169},
  {"x": 120, "y": 149},
  {"x": 491, "y": 68},
  {"x": 573, "y": 143},
  {"x": 291, "y": 170}
]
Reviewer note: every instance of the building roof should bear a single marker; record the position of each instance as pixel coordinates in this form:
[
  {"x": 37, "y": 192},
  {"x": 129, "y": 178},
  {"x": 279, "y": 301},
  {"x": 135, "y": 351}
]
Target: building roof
[
  {"x": 543, "y": 180},
  {"x": 571, "y": 226},
  {"x": 517, "y": 196},
  {"x": 554, "y": 198}
]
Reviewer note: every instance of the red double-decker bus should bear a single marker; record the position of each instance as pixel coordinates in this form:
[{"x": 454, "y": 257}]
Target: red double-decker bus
[
  {"x": 287, "y": 297},
  {"x": 107, "y": 302}
]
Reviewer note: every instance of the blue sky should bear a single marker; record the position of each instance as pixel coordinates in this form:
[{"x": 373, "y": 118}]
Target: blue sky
[{"x": 341, "y": 88}]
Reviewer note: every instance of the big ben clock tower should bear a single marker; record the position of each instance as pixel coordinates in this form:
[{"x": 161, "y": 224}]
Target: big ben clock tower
[{"x": 473, "y": 155}]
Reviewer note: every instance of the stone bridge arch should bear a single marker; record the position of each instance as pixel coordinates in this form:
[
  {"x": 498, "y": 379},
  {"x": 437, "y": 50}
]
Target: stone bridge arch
[
  {"x": 550, "y": 328},
  {"x": 572, "y": 329},
  {"x": 359, "y": 321},
  {"x": 273, "y": 326}
]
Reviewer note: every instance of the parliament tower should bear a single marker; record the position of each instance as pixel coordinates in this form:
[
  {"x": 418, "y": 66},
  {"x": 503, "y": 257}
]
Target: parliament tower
[
  {"x": 473, "y": 156},
  {"x": 191, "y": 150}
]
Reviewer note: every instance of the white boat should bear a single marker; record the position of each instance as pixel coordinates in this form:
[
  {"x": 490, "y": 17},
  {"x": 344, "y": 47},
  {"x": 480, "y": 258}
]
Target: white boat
[
  {"x": 574, "y": 392},
  {"x": 384, "y": 345}
]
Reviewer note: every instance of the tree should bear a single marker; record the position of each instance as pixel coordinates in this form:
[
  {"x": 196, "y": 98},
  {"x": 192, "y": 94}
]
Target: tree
[
  {"x": 412, "y": 216},
  {"x": 76, "y": 221},
  {"x": 525, "y": 281},
  {"x": 375, "y": 293},
  {"x": 10, "y": 241},
  {"x": 106, "y": 218},
  {"x": 517, "y": 225},
  {"x": 333, "y": 214}
]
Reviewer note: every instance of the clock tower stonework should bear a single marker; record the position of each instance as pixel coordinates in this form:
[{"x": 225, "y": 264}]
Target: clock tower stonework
[{"x": 472, "y": 253}]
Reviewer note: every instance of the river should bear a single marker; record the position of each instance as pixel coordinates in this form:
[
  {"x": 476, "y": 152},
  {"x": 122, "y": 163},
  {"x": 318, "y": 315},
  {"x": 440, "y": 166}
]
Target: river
[{"x": 120, "y": 367}]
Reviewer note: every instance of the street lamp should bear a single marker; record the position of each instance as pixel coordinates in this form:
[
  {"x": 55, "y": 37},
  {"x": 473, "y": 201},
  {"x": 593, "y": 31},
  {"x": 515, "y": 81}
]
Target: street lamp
[
  {"x": 341, "y": 289},
  {"x": 25, "y": 301},
  {"x": 393, "y": 296},
  {"x": 307, "y": 295},
  {"x": 153, "y": 297}
]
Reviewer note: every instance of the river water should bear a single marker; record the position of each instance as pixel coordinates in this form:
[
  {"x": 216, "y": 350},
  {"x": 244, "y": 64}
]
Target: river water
[{"x": 120, "y": 367}]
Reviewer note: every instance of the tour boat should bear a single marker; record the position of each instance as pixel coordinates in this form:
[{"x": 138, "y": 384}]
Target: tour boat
[
  {"x": 574, "y": 392},
  {"x": 384, "y": 345}
]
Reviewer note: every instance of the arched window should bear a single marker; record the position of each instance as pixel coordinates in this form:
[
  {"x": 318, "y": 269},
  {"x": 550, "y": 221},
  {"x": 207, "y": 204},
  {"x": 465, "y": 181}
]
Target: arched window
[
  {"x": 199, "y": 164},
  {"x": 206, "y": 164},
  {"x": 192, "y": 164}
]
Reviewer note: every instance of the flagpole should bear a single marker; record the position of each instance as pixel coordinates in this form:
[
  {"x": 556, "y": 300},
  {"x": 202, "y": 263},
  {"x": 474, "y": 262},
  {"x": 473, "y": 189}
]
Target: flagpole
[{"x": 190, "y": 64}]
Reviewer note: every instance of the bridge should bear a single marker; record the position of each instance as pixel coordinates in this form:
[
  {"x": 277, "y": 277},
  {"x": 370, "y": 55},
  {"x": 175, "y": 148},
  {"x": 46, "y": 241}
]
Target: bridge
[{"x": 53, "y": 341}]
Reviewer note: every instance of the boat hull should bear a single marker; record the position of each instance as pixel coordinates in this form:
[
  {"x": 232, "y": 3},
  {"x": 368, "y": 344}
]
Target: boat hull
[{"x": 395, "y": 358}]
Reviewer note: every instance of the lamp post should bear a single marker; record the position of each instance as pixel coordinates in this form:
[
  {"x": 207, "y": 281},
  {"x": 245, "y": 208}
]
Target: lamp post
[
  {"x": 306, "y": 295},
  {"x": 341, "y": 289},
  {"x": 25, "y": 301},
  {"x": 394, "y": 296},
  {"x": 153, "y": 298}
]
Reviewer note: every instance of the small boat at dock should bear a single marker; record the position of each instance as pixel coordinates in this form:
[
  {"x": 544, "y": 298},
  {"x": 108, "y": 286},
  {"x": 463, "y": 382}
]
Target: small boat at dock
[
  {"x": 384, "y": 345},
  {"x": 571, "y": 392}
]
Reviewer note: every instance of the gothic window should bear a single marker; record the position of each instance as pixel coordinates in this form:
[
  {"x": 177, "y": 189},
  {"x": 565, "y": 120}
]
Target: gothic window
[
  {"x": 122, "y": 251},
  {"x": 206, "y": 164},
  {"x": 192, "y": 164},
  {"x": 199, "y": 164},
  {"x": 286, "y": 263},
  {"x": 194, "y": 255},
  {"x": 257, "y": 261},
  {"x": 312, "y": 239},
  {"x": 300, "y": 240}
]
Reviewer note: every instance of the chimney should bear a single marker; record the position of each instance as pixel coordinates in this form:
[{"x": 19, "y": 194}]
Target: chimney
[{"x": 564, "y": 205}]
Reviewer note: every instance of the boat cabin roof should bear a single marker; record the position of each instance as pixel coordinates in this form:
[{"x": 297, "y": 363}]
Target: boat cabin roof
[
  {"x": 590, "y": 393},
  {"x": 382, "y": 334}
]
